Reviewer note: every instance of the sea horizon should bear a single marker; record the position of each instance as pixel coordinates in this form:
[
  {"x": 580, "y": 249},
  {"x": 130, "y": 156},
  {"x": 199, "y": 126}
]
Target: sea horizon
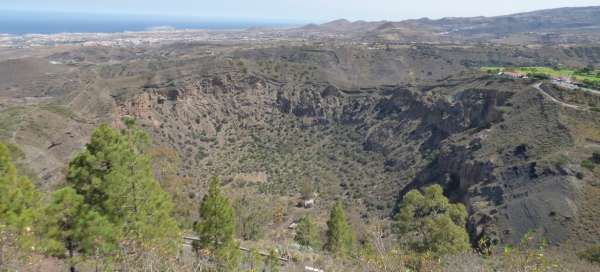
[{"x": 46, "y": 23}]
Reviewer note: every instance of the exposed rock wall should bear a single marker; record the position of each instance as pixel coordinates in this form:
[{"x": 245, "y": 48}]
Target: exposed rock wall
[{"x": 425, "y": 136}]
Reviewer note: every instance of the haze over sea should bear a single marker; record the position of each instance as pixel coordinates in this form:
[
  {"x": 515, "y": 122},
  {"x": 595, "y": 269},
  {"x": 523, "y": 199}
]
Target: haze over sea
[{"x": 27, "y": 22}]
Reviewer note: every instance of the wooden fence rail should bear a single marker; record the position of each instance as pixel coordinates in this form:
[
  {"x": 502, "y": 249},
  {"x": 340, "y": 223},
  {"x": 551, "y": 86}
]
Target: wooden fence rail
[{"x": 189, "y": 239}]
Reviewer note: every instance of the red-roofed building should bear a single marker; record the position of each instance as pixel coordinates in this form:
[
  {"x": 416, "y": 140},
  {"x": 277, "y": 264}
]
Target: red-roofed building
[{"x": 514, "y": 74}]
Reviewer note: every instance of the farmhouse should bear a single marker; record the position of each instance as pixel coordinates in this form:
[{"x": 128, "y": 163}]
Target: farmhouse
[{"x": 513, "y": 74}]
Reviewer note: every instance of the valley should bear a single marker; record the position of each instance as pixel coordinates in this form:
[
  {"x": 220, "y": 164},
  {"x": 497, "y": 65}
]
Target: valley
[{"x": 360, "y": 119}]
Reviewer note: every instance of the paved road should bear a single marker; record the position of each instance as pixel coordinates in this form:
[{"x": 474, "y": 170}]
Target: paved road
[
  {"x": 596, "y": 92},
  {"x": 538, "y": 87},
  {"x": 574, "y": 87}
]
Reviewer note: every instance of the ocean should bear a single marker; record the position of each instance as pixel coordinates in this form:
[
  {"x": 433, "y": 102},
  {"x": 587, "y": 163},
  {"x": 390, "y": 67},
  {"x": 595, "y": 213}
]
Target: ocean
[{"x": 24, "y": 22}]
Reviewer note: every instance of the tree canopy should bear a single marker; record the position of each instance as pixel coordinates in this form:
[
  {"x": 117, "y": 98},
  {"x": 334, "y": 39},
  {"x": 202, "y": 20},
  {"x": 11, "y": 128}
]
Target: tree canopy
[
  {"x": 216, "y": 227},
  {"x": 19, "y": 200},
  {"x": 114, "y": 177},
  {"x": 429, "y": 222},
  {"x": 70, "y": 226},
  {"x": 307, "y": 233},
  {"x": 340, "y": 239}
]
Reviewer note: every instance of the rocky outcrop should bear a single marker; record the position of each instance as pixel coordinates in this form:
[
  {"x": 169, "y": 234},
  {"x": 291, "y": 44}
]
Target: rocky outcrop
[
  {"x": 460, "y": 137},
  {"x": 509, "y": 186}
]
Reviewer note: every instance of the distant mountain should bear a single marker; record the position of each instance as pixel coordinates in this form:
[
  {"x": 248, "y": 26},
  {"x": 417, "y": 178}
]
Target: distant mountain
[
  {"x": 542, "y": 20},
  {"x": 578, "y": 23},
  {"x": 343, "y": 25}
]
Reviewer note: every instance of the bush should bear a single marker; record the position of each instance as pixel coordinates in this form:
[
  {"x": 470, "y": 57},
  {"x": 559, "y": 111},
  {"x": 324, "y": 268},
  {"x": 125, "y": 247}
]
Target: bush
[
  {"x": 592, "y": 83},
  {"x": 540, "y": 76},
  {"x": 588, "y": 164},
  {"x": 528, "y": 255},
  {"x": 201, "y": 154},
  {"x": 591, "y": 254},
  {"x": 252, "y": 216},
  {"x": 596, "y": 157},
  {"x": 307, "y": 232}
]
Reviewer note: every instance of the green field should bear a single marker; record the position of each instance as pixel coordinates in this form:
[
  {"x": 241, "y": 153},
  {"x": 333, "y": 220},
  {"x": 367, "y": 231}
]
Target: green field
[{"x": 587, "y": 76}]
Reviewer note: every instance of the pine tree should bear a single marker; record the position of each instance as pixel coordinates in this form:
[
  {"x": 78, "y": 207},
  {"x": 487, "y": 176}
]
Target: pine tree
[
  {"x": 272, "y": 263},
  {"x": 18, "y": 201},
  {"x": 340, "y": 239},
  {"x": 88, "y": 170},
  {"x": 216, "y": 227},
  {"x": 116, "y": 180},
  {"x": 439, "y": 225},
  {"x": 307, "y": 233},
  {"x": 71, "y": 227},
  {"x": 137, "y": 202}
]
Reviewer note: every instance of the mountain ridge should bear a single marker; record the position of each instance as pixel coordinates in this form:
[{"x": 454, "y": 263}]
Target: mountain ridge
[
  {"x": 574, "y": 24},
  {"x": 553, "y": 11}
]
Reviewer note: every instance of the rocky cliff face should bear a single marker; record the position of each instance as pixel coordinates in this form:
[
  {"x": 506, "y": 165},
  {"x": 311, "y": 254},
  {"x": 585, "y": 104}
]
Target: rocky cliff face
[{"x": 485, "y": 139}]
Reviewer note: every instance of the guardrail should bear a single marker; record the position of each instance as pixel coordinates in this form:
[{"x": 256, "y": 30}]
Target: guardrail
[
  {"x": 191, "y": 239},
  {"x": 262, "y": 253}
]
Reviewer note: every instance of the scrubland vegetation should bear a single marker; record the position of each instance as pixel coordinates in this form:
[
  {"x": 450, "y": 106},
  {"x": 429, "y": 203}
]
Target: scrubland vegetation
[
  {"x": 589, "y": 76},
  {"x": 112, "y": 214}
]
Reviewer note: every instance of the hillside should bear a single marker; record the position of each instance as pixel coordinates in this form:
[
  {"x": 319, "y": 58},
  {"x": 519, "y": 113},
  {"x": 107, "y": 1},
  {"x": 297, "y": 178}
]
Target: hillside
[
  {"x": 482, "y": 133},
  {"x": 553, "y": 26},
  {"x": 561, "y": 19},
  {"x": 363, "y": 126}
]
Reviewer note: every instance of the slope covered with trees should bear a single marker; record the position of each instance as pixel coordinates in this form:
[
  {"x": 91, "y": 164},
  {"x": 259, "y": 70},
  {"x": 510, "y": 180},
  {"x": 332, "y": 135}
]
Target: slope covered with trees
[
  {"x": 94, "y": 227},
  {"x": 111, "y": 210}
]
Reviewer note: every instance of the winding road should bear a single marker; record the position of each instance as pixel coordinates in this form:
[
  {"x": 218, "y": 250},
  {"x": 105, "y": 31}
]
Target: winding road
[{"x": 538, "y": 87}]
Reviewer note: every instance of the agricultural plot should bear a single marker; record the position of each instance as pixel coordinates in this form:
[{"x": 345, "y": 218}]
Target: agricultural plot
[{"x": 586, "y": 76}]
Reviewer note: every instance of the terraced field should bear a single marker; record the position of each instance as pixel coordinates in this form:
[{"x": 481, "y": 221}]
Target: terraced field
[{"x": 588, "y": 76}]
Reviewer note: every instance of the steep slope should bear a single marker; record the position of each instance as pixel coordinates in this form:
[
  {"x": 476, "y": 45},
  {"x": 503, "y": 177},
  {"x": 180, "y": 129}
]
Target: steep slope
[{"x": 496, "y": 145}]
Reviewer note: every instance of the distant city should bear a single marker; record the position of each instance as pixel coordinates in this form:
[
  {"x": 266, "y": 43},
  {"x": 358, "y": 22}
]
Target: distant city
[{"x": 27, "y": 22}]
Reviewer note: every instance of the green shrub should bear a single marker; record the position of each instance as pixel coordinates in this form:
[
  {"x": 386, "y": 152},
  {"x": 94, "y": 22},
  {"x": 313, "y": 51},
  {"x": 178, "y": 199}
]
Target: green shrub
[
  {"x": 591, "y": 254},
  {"x": 587, "y": 164},
  {"x": 201, "y": 154},
  {"x": 431, "y": 223},
  {"x": 540, "y": 76},
  {"x": 592, "y": 83},
  {"x": 562, "y": 160},
  {"x": 596, "y": 157},
  {"x": 307, "y": 232}
]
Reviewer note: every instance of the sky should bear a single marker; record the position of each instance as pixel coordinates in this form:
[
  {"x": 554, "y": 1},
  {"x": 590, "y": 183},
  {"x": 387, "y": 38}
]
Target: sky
[{"x": 296, "y": 10}]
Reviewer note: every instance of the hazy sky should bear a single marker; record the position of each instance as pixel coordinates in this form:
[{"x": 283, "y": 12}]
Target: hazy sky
[{"x": 299, "y": 10}]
